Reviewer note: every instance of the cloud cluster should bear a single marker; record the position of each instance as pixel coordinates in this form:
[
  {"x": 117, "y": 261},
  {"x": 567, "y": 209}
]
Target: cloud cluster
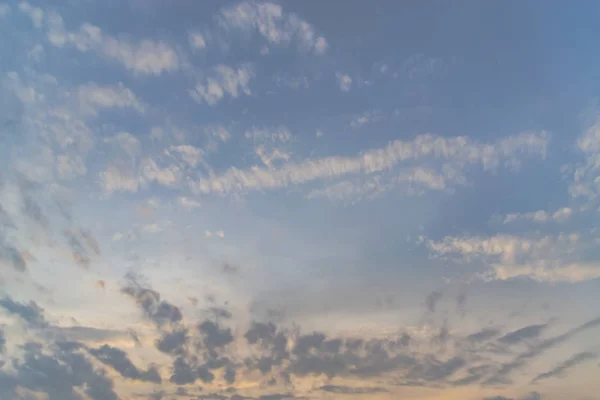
[
  {"x": 276, "y": 26},
  {"x": 225, "y": 81}
]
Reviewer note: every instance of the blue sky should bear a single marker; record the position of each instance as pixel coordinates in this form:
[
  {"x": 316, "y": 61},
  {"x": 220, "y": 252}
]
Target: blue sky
[{"x": 321, "y": 200}]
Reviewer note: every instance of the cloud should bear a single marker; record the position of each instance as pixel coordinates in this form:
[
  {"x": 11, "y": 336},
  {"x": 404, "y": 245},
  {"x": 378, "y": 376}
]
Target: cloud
[
  {"x": 224, "y": 81},
  {"x": 128, "y": 143},
  {"x": 191, "y": 155},
  {"x": 351, "y": 390},
  {"x": 501, "y": 375},
  {"x": 560, "y": 215},
  {"x": 584, "y": 183},
  {"x": 84, "y": 333},
  {"x": 60, "y": 375},
  {"x": 530, "y": 396},
  {"x": 91, "y": 98},
  {"x": 187, "y": 203},
  {"x": 483, "y": 335},
  {"x": 460, "y": 151},
  {"x": 365, "y": 118},
  {"x": 159, "y": 312},
  {"x": 344, "y": 81},
  {"x": 268, "y": 144},
  {"x": 528, "y": 332},
  {"x": 544, "y": 259},
  {"x": 432, "y": 299},
  {"x": 145, "y": 57},
  {"x": 197, "y": 40},
  {"x": 120, "y": 362},
  {"x": 276, "y": 26},
  {"x": 118, "y": 177},
  {"x": 563, "y": 367},
  {"x": 30, "y": 313},
  {"x": 36, "y": 14},
  {"x": 173, "y": 342}
]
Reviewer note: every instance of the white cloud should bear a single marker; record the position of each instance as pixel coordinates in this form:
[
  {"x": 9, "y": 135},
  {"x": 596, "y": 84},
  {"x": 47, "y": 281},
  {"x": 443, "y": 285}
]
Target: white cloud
[
  {"x": 125, "y": 177},
  {"x": 547, "y": 258},
  {"x": 260, "y": 135},
  {"x": 128, "y": 143},
  {"x": 559, "y": 215},
  {"x": 119, "y": 178},
  {"x": 321, "y": 45},
  {"x": 189, "y": 154},
  {"x": 459, "y": 151},
  {"x": 152, "y": 228},
  {"x": 275, "y": 25},
  {"x": 349, "y": 191},
  {"x": 219, "y": 234},
  {"x": 267, "y": 144},
  {"x": 197, "y": 40},
  {"x": 413, "y": 182},
  {"x": 92, "y": 98},
  {"x": 69, "y": 167},
  {"x": 224, "y": 81},
  {"x": 344, "y": 81},
  {"x": 548, "y": 272},
  {"x": 220, "y": 133},
  {"x": 360, "y": 120},
  {"x": 36, "y": 52},
  {"x": 586, "y": 178},
  {"x": 146, "y": 57},
  {"x": 168, "y": 176},
  {"x": 268, "y": 157},
  {"x": 424, "y": 177},
  {"x": 188, "y": 203},
  {"x": 24, "y": 92},
  {"x": 36, "y": 14}
]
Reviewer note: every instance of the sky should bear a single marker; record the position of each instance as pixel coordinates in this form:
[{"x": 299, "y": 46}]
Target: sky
[{"x": 299, "y": 200}]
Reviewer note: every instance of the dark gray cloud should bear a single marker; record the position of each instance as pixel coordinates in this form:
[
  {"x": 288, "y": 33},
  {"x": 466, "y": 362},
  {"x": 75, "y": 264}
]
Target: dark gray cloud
[
  {"x": 85, "y": 333},
  {"x": 433, "y": 299},
  {"x": 160, "y": 312},
  {"x": 58, "y": 375},
  {"x": 528, "y": 332},
  {"x": 230, "y": 269},
  {"x": 82, "y": 244},
  {"x": 120, "y": 362},
  {"x": 351, "y": 390},
  {"x": 13, "y": 255},
  {"x": 563, "y": 367},
  {"x": 183, "y": 373},
  {"x": 530, "y": 396},
  {"x": 433, "y": 370},
  {"x": 501, "y": 376},
  {"x": 173, "y": 342},
  {"x": 483, "y": 335},
  {"x": 31, "y": 313},
  {"x": 214, "y": 336},
  {"x": 2, "y": 342}
]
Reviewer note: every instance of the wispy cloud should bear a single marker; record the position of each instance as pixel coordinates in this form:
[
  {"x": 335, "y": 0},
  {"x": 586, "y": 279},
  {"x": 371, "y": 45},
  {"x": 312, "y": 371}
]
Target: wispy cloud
[
  {"x": 225, "y": 81},
  {"x": 459, "y": 151},
  {"x": 544, "y": 259},
  {"x": 144, "y": 57}
]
